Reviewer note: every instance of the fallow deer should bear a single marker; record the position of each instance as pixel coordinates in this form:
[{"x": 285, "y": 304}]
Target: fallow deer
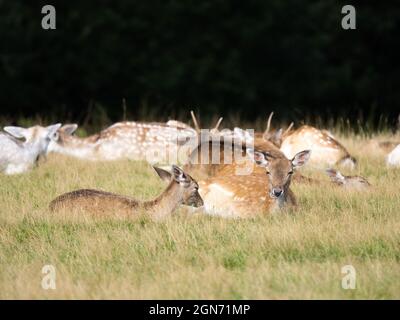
[
  {"x": 326, "y": 150},
  {"x": 182, "y": 189},
  {"x": 393, "y": 158},
  {"x": 226, "y": 155},
  {"x": 244, "y": 196},
  {"x": 19, "y": 156},
  {"x": 154, "y": 142},
  {"x": 348, "y": 182}
]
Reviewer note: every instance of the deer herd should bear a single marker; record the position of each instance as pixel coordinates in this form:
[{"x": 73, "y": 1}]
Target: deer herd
[{"x": 229, "y": 173}]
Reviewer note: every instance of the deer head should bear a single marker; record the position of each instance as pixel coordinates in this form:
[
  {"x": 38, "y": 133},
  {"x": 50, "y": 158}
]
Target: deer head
[
  {"x": 354, "y": 182},
  {"x": 279, "y": 169},
  {"x": 36, "y": 137},
  {"x": 188, "y": 185}
]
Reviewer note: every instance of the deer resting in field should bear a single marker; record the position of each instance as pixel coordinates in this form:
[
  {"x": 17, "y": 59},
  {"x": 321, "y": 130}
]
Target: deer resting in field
[
  {"x": 348, "y": 182},
  {"x": 244, "y": 196},
  {"x": 17, "y": 156},
  {"x": 154, "y": 142},
  {"x": 182, "y": 189},
  {"x": 326, "y": 150}
]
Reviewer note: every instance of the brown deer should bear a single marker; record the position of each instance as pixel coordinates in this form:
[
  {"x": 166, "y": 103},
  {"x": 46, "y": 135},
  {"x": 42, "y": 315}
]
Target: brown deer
[
  {"x": 348, "y": 182},
  {"x": 226, "y": 156},
  {"x": 182, "y": 189},
  {"x": 244, "y": 196},
  {"x": 326, "y": 150}
]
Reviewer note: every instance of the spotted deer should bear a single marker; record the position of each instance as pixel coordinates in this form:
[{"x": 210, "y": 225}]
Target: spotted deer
[
  {"x": 154, "y": 142},
  {"x": 348, "y": 182},
  {"x": 182, "y": 189},
  {"x": 226, "y": 156},
  {"x": 19, "y": 156},
  {"x": 243, "y": 196},
  {"x": 326, "y": 150}
]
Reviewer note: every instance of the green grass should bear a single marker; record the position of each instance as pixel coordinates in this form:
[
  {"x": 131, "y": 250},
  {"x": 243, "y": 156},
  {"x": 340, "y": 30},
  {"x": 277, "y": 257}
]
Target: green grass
[{"x": 187, "y": 256}]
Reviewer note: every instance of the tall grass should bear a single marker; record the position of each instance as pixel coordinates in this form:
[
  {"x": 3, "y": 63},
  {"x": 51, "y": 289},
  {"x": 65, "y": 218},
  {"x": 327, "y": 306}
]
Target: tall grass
[{"x": 195, "y": 256}]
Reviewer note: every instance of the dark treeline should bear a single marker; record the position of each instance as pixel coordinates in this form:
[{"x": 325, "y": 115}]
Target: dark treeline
[{"x": 227, "y": 57}]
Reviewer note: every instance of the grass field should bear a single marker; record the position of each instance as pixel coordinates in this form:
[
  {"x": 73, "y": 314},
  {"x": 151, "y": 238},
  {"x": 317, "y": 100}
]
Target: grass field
[{"x": 191, "y": 256}]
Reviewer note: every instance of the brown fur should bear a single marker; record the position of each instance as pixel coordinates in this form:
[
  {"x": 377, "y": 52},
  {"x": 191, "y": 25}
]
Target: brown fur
[{"x": 103, "y": 203}]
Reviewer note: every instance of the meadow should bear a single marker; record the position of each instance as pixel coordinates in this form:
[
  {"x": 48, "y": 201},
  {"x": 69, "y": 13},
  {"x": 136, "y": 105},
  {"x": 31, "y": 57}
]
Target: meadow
[{"x": 292, "y": 255}]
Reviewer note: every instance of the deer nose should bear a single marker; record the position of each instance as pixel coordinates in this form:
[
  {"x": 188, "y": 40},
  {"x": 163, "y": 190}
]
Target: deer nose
[{"x": 277, "y": 192}]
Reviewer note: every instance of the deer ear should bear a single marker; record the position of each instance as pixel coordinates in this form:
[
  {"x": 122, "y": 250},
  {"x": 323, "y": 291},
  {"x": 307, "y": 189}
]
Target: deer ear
[
  {"x": 301, "y": 158},
  {"x": 258, "y": 157},
  {"x": 17, "y": 132},
  {"x": 335, "y": 175},
  {"x": 179, "y": 175},
  {"x": 163, "y": 174},
  {"x": 69, "y": 128}
]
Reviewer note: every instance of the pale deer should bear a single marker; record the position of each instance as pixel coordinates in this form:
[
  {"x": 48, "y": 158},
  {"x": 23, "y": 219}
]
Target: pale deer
[
  {"x": 393, "y": 158},
  {"x": 348, "y": 182},
  {"x": 326, "y": 150},
  {"x": 154, "y": 142},
  {"x": 19, "y": 156},
  {"x": 244, "y": 196},
  {"x": 182, "y": 189}
]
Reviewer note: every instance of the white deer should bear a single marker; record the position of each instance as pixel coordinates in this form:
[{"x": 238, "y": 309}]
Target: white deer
[
  {"x": 393, "y": 158},
  {"x": 18, "y": 156}
]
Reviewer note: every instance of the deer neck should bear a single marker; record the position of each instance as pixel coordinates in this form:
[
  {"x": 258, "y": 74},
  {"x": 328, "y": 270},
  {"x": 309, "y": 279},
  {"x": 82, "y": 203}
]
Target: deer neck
[
  {"x": 77, "y": 147},
  {"x": 31, "y": 150},
  {"x": 166, "y": 202}
]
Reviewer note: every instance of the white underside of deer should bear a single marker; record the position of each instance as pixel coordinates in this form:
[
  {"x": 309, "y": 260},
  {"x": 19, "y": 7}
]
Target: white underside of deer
[
  {"x": 154, "y": 142},
  {"x": 326, "y": 151},
  {"x": 393, "y": 158}
]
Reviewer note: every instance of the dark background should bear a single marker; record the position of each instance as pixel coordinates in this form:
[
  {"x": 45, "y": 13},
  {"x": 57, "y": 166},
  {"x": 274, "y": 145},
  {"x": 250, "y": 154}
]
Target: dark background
[{"x": 235, "y": 58}]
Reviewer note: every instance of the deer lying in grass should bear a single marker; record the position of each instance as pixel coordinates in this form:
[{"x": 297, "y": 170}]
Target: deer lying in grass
[
  {"x": 227, "y": 157},
  {"x": 348, "y": 182},
  {"x": 182, "y": 189},
  {"x": 155, "y": 142},
  {"x": 326, "y": 150},
  {"x": 19, "y": 156},
  {"x": 245, "y": 196},
  {"x": 393, "y": 158}
]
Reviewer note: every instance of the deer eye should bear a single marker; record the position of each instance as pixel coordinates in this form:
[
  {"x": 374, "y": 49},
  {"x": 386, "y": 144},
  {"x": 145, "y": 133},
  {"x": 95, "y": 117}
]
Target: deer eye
[
  {"x": 290, "y": 172},
  {"x": 268, "y": 173}
]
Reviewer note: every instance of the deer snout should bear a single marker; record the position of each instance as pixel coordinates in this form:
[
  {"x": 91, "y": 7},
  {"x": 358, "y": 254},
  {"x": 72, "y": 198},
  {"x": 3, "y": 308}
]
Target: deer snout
[
  {"x": 276, "y": 192},
  {"x": 199, "y": 202}
]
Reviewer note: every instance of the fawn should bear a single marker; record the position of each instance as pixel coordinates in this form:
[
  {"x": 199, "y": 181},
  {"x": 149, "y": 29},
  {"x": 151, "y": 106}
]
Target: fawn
[
  {"x": 19, "y": 156},
  {"x": 245, "y": 196},
  {"x": 182, "y": 189}
]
